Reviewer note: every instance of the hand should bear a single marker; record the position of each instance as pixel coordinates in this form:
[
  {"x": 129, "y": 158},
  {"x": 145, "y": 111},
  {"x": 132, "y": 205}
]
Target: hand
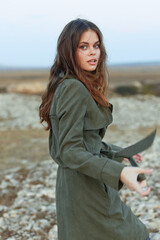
[
  {"x": 129, "y": 178},
  {"x": 137, "y": 157}
]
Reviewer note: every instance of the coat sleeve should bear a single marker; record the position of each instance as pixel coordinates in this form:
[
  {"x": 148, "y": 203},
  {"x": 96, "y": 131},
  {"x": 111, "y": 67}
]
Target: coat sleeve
[
  {"x": 108, "y": 149},
  {"x": 71, "y": 108}
]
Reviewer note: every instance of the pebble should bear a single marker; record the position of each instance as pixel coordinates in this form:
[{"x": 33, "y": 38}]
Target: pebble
[
  {"x": 33, "y": 211},
  {"x": 29, "y": 210},
  {"x": 136, "y": 112},
  {"x": 140, "y": 111},
  {"x": 21, "y": 111}
]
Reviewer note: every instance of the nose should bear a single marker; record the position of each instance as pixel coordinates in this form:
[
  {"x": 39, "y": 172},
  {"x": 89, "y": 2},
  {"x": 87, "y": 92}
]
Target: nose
[{"x": 92, "y": 51}]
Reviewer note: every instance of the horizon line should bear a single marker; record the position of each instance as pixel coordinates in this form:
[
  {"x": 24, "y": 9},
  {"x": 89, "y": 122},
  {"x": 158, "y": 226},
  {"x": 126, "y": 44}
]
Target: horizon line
[{"x": 120, "y": 64}]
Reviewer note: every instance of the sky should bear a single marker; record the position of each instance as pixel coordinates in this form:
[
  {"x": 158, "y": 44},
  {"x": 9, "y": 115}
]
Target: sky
[{"x": 29, "y": 29}]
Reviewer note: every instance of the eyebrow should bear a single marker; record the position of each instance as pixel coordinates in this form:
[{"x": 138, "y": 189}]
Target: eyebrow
[{"x": 88, "y": 43}]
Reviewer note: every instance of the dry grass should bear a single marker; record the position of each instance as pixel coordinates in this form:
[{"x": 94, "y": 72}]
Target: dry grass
[
  {"x": 123, "y": 74},
  {"x": 20, "y": 147},
  {"x": 148, "y": 74},
  {"x": 19, "y": 76}
]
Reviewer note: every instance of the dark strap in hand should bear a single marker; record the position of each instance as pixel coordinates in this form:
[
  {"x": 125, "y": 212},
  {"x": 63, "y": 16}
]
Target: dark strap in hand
[{"x": 130, "y": 151}]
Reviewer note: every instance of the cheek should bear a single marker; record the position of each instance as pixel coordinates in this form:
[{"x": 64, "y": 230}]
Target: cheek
[
  {"x": 80, "y": 57},
  {"x": 99, "y": 53}
]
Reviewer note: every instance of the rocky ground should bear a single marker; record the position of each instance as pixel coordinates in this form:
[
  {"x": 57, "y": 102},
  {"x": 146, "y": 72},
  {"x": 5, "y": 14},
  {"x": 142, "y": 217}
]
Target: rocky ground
[{"x": 27, "y": 192}]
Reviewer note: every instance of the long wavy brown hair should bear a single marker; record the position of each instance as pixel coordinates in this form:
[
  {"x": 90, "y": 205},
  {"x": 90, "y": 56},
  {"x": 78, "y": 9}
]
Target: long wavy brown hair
[{"x": 65, "y": 61}]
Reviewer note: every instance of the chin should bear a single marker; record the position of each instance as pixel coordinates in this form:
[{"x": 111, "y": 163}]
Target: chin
[{"x": 91, "y": 69}]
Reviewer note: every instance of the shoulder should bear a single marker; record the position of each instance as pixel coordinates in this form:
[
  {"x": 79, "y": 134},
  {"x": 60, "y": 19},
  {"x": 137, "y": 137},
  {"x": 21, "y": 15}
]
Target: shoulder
[
  {"x": 71, "y": 86},
  {"x": 68, "y": 93}
]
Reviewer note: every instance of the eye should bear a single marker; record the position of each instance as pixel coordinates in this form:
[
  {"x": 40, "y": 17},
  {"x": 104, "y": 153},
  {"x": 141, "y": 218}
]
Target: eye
[
  {"x": 83, "y": 47},
  {"x": 97, "y": 45}
]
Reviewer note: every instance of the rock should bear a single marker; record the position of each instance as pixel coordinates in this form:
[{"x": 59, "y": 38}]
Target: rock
[
  {"x": 33, "y": 212},
  {"x": 2, "y": 224},
  {"x": 18, "y": 115},
  {"x": 151, "y": 88},
  {"x": 53, "y": 233},
  {"x": 19, "y": 111},
  {"x": 3, "y": 89},
  {"x": 136, "y": 87},
  {"x": 127, "y": 90},
  {"x": 135, "y": 112},
  {"x": 27, "y": 195}
]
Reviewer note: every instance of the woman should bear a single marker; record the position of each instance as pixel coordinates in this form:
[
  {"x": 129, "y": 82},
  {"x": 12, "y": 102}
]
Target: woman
[{"x": 78, "y": 113}]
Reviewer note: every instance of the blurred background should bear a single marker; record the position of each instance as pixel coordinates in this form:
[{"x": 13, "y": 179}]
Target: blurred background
[
  {"x": 28, "y": 37},
  {"x": 29, "y": 29}
]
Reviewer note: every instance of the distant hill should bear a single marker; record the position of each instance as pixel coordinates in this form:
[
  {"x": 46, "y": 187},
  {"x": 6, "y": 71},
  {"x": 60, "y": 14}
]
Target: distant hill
[
  {"x": 116, "y": 65},
  {"x": 3, "y": 67},
  {"x": 8, "y": 68},
  {"x": 136, "y": 64}
]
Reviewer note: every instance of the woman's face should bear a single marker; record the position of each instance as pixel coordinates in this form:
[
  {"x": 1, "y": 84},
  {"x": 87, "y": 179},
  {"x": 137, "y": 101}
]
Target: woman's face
[{"x": 88, "y": 51}]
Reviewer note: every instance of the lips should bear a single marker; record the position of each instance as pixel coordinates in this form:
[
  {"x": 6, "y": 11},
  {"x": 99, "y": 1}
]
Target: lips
[{"x": 92, "y": 61}]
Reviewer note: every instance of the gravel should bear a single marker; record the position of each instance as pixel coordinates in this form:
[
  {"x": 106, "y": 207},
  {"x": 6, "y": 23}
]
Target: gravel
[{"x": 27, "y": 195}]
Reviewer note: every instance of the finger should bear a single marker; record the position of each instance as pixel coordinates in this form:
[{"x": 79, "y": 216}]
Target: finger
[
  {"x": 126, "y": 160},
  {"x": 145, "y": 171},
  {"x": 143, "y": 191},
  {"x": 138, "y": 161},
  {"x": 138, "y": 157},
  {"x": 143, "y": 184}
]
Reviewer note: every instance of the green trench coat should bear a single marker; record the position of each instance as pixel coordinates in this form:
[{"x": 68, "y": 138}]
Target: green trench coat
[{"x": 87, "y": 199}]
